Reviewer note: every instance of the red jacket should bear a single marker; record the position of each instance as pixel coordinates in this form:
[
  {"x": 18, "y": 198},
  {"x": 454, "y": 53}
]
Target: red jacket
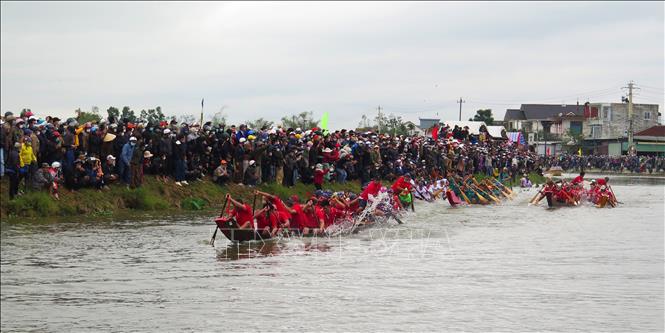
[{"x": 400, "y": 184}]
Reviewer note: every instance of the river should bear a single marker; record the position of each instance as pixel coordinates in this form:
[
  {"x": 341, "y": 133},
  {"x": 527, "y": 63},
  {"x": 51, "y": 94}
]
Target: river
[{"x": 509, "y": 267}]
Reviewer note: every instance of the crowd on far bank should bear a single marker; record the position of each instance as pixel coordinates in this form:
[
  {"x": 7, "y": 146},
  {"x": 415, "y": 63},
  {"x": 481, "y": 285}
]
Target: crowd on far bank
[
  {"x": 605, "y": 163},
  {"x": 48, "y": 153}
]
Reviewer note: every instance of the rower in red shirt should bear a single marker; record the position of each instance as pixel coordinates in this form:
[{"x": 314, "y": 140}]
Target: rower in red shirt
[
  {"x": 298, "y": 217},
  {"x": 267, "y": 219},
  {"x": 372, "y": 188},
  {"x": 284, "y": 214},
  {"x": 353, "y": 204},
  {"x": 314, "y": 218},
  {"x": 602, "y": 181},
  {"x": 242, "y": 213},
  {"x": 401, "y": 185},
  {"x": 579, "y": 179}
]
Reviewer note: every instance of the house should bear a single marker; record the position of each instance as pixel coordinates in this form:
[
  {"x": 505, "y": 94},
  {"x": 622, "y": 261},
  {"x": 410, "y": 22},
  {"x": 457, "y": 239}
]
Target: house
[
  {"x": 548, "y": 126},
  {"x": 650, "y": 141},
  {"x": 427, "y": 123},
  {"x": 607, "y": 125},
  {"x": 609, "y": 121},
  {"x": 513, "y": 119},
  {"x": 539, "y": 118}
]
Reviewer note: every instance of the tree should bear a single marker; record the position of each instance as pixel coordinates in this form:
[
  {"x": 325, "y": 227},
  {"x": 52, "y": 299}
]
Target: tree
[
  {"x": 128, "y": 114},
  {"x": 219, "y": 118},
  {"x": 84, "y": 117},
  {"x": 364, "y": 125},
  {"x": 187, "y": 118},
  {"x": 304, "y": 120},
  {"x": 391, "y": 125},
  {"x": 153, "y": 116},
  {"x": 485, "y": 116},
  {"x": 113, "y": 113},
  {"x": 573, "y": 140},
  {"x": 259, "y": 123}
]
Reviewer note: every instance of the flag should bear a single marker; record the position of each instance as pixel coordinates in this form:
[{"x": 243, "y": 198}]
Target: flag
[
  {"x": 579, "y": 152},
  {"x": 324, "y": 121},
  {"x": 435, "y": 132}
]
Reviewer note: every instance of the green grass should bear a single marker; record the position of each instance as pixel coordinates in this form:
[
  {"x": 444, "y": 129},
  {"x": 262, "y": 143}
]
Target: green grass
[
  {"x": 34, "y": 203},
  {"x": 153, "y": 195},
  {"x": 192, "y": 204}
]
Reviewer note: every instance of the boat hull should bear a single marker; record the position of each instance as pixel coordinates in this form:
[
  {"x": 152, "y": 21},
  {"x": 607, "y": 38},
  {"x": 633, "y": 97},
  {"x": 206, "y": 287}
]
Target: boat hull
[{"x": 229, "y": 227}]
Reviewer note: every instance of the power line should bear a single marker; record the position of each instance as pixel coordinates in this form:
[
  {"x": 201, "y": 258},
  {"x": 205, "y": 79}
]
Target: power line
[{"x": 650, "y": 87}]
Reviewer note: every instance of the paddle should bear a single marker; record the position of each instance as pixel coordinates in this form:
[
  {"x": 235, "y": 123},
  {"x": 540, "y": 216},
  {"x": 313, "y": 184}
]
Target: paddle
[
  {"x": 569, "y": 198},
  {"x": 412, "y": 207},
  {"x": 461, "y": 192},
  {"x": 212, "y": 240},
  {"x": 532, "y": 201},
  {"x": 480, "y": 197},
  {"x": 390, "y": 214},
  {"x": 613, "y": 195},
  {"x": 485, "y": 193},
  {"x": 491, "y": 185},
  {"x": 507, "y": 190}
]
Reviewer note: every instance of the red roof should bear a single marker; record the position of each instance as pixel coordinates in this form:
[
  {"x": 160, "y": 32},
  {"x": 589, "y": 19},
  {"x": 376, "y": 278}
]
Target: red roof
[{"x": 658, "y": 130}]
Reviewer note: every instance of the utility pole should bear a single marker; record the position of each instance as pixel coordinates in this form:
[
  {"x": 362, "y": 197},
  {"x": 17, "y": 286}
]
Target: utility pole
[
  {"x": 631, "y": 85},
  {"x": 379, "y": 122},
  {"x": 201, "y": 124},
  {"x": 460, "y": 107}
]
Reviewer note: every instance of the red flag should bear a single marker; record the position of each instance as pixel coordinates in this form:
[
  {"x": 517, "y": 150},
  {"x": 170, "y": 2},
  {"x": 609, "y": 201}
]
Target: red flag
[{"x": 435, "y": 132}]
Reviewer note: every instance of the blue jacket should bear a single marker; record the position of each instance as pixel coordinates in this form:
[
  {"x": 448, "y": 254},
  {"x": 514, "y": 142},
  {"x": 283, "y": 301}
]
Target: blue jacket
[{"x": 127, "y": 151}]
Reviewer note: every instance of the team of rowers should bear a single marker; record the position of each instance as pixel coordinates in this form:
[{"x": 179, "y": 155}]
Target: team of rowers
[
  {"x": 325, "y": 209},
  {"x": 599, "y": 193}
]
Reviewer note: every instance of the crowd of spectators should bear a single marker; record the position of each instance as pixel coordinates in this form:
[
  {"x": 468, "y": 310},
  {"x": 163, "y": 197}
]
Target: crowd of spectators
[
  {"x": 45, "y": 153},
  {"x": 605, "y": 163}
]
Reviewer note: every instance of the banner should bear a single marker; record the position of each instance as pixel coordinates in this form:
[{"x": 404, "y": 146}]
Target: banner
[
  {"x": 435, "y": 132},
  {"x": 324, "y": 122}
]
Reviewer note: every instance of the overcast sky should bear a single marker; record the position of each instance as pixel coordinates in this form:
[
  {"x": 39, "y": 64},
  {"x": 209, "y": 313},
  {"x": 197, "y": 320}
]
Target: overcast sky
[{"x": 272, "y": 59}]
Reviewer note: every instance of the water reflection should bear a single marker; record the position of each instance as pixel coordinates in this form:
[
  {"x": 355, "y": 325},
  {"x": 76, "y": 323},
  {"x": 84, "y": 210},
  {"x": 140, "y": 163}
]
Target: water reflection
[
  {"x": 275, "y": 247},
  {"x": 250, "y": 250}
]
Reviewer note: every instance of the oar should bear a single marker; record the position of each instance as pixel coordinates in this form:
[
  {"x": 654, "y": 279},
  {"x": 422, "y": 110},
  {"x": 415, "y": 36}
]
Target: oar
[
  {"x": 461, "y": 192},
  {"x": 568, "y": 197},
  {"x": 504, "y": 193},
  {"x": 486, "y": 193},
  {"x": 506, "y": 189},
  {"x": 390, "y": 214},
  {"x": 480, "y": 197},
  {"x": 532, "y": 201},
  {"x": 212, "y": 240},
  {"x": 613, "y": 195}
]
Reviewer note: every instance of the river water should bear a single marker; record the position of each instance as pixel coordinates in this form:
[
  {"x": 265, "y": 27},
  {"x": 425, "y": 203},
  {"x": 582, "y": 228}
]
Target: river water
[{"x": 508, "y": 267}]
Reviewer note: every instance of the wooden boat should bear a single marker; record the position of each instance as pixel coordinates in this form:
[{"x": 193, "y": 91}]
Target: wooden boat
[
  {"x": 452, "y": 198},
  {"x": 229, "y": 227},
  {"x": 555, "y": 171}
]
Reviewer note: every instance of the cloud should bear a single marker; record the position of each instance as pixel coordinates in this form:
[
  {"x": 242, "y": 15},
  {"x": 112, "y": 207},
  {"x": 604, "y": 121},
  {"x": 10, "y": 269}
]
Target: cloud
[{"x": 268, "y": 59}]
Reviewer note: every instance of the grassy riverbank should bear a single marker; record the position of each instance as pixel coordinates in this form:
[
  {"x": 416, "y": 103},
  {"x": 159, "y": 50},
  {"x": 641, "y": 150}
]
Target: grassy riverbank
[{"x": 153, "y": 196}]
